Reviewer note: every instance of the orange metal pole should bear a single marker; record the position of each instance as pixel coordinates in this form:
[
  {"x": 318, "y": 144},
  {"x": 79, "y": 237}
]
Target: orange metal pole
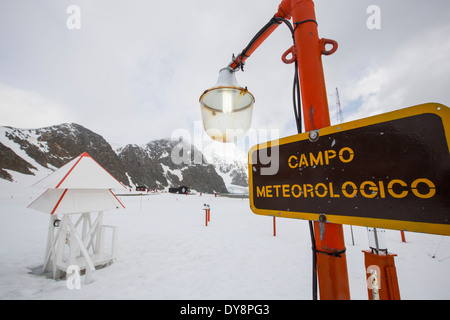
[
  {"x": 274, "y": 227},
  {"x": 331, "y": 262},
  {"x": 240, "y": 59},
  {"x": 331, "y": 269},
  {"x": 309, "y": 56}
]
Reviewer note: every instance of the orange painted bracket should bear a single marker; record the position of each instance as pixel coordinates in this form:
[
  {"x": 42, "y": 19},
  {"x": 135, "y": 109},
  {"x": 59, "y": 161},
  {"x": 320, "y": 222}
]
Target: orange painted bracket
[
  {"x": 323, "y": 42},
  {"x": 291, "y": 51}
]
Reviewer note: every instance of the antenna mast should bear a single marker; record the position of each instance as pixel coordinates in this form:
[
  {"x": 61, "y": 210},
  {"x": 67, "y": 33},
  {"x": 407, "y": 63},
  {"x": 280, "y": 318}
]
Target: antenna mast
[{"x": 339, "y": 115}]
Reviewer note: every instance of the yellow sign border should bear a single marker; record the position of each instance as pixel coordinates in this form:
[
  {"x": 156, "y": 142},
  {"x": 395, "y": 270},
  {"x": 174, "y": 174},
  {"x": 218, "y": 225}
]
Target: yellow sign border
[{"x": 435, "y": 108}]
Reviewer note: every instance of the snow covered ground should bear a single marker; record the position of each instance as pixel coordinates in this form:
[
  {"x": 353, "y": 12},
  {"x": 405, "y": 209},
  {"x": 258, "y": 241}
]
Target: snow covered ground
[{"x": 167, "y": 252}]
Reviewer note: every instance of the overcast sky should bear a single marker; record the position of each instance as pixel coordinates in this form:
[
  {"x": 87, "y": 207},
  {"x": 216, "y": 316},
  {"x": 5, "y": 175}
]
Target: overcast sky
[{"x": 135, "y": 69}]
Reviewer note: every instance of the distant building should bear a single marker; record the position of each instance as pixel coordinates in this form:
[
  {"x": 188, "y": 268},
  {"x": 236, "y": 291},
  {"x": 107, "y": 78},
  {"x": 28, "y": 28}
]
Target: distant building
[
  {"x": 180, "y": 190},
  {"x": 141, "y": 188}
]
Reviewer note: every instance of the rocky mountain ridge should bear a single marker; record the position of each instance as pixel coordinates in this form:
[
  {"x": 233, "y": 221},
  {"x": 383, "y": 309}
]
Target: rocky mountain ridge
[{"x": 159, "y": 164}]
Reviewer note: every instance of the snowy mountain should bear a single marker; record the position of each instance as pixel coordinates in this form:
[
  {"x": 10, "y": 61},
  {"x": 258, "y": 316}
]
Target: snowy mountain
[
  {"x": 160, "y": 164},
  {"x": 231, "y": 164},
  {"x": 38, "y": 152},
  {"x": 164, "y": 163}
]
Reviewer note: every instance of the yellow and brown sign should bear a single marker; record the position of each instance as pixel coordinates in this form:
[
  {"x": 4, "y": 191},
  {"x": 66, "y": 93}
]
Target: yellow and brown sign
[{"x": 389, "y": 171}]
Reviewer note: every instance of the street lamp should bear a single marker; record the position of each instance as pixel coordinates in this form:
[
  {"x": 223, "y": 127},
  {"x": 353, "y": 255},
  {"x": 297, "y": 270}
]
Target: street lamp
[{"x": 227, "y": 108}]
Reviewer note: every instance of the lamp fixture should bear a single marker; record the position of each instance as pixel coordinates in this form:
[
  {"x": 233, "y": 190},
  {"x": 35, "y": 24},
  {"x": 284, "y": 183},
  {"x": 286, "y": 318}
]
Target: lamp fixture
[{"x": 227, "y": 108}]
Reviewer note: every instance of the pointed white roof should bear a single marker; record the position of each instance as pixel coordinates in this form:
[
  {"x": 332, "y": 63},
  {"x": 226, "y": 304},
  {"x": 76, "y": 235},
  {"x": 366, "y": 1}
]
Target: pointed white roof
[
  {"x": 66, "y": 201},
  {"x": 83, "y": 172}
]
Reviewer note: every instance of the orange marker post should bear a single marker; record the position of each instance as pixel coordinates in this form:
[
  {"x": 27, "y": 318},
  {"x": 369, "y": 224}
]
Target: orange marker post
[
  {"x": 382, "y": 282},
  {"x": 403, "y": 235},
  {"x": 207, "y": 213},
  {"x": 274, "y": 227}
]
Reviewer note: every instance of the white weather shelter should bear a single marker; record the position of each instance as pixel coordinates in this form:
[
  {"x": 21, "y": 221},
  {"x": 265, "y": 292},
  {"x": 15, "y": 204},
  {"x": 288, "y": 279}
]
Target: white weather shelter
[{"x": 77, "y": 191}]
